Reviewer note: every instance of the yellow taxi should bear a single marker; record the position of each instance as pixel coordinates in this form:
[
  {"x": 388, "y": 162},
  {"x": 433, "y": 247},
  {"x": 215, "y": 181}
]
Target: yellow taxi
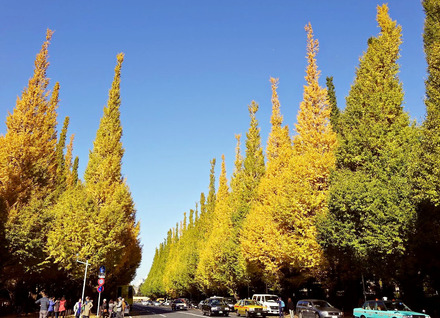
[{"x": 249, "y": 308}]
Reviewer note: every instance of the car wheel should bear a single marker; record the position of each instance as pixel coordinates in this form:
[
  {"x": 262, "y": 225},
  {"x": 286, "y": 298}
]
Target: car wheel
[
  {"x": 238, "y": 314},
  {"x": 247, "y": 314},
  {"x": 226, "y": 314},
  {"x": 210, "y": 313}
]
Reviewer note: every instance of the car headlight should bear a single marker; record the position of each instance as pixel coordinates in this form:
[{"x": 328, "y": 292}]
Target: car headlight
[
  {"x": 214, "y": 308},
  {"x": 251, "y": 309},
  {"x": 324, "y": 313},
  {"x": 407, "y": 316}
]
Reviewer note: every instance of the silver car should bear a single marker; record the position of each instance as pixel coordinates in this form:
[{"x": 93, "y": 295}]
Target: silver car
[{"x": 315, "y": 308}]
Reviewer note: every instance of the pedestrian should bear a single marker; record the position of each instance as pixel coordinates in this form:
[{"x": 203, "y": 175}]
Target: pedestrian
[
  {"x": 50, "y": 310},
  {"x": 291, "y": 307},
  {"x": 77, "y": 309},
  {"x": 104, "y": 308},
  {"x": 119, "y": 308},
  {"x": 56, "y": 308},
  {"x": 63, "y": 307},
  {"x": 124, "y": 305},
  {"x": 44, "y": 305},
  {"x": 281, "y": 307},
  {"x": 87, "y": 307},
  {"x": 111, "y": 306}
]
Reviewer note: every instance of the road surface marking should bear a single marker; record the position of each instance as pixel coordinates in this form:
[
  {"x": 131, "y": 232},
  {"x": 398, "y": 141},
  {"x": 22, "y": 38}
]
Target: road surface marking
[{"x": 188, "y": 313}]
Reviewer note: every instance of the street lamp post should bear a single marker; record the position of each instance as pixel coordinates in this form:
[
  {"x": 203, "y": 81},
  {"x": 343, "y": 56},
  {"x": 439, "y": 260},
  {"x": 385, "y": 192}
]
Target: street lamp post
[{"x": 85, "y": 277}]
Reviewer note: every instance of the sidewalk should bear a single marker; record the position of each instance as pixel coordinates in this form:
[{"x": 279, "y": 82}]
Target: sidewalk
[{"x": 36, "y": 315}]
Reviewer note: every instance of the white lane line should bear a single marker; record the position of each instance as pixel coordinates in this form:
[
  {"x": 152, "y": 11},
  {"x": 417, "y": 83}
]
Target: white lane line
[
  {"x": 189, "y": 313},
  {"x": 162, "y": 315}
]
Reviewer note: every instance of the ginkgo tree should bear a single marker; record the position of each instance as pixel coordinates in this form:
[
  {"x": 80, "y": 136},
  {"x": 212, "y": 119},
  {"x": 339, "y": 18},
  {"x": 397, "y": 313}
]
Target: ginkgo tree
[{"x": 371, "y": 213}]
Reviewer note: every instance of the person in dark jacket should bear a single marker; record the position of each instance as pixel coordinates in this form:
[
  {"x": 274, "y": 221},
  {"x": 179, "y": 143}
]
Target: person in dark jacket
[
  {"x": 44, "y": 305},
  {"x": 291, "y": 307}
]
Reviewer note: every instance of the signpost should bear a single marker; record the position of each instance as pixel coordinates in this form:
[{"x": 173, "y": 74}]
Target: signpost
[
  {"x": 85, "y": 276},
  {"x": 100, "y": 288}
]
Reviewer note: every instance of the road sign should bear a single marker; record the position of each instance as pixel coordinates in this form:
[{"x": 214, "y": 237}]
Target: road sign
[
  {"x": 101, "y": 272},
  {"x": 101, "y": 281},
  {"x": 100, "y": 289}
]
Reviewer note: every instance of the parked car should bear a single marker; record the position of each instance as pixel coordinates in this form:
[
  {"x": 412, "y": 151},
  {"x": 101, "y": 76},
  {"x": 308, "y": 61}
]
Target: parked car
[
  {"x": 269, "y": 303},
  {"x": 315, "y": 308},
  {"x": 250, "y": 308},
  {"x": 200, "y": 304},
  {"x": 178, "y": 304},
  {"x": 230, "y": 302},
  {"x": 193, "y": 304},
  {"x": 215, "y": 306},
  {"x": 385, "y": 309}
]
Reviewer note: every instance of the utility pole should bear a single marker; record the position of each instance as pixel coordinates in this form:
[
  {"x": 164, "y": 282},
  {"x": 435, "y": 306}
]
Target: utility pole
[{"x": 85, "y": 277}]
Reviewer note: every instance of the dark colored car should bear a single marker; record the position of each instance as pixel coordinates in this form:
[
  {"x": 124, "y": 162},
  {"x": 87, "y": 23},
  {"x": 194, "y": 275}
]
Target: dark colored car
[
  {"x": 215, "y": 306},
  {"x": 179, "y": 304},
  {"x": 230, "y": 302},
  {"x": 315, "y": 308}
]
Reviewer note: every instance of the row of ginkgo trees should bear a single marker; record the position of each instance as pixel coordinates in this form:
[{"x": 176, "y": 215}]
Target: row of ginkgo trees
[
  {"x": 347, "y": 197},
  {"x": 49, "y": 217}
]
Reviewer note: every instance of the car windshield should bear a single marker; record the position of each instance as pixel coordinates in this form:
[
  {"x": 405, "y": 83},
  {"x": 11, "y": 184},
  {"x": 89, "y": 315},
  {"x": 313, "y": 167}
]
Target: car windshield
[
  {"x": 320, "y": 303},
  {"x": 272, "y": 298},
  {"x": 178, "y": 301},
  {"x": 396, "y": 306},
  {"x": 217, "y": 302},
  {"x": 250, "y": 303}
]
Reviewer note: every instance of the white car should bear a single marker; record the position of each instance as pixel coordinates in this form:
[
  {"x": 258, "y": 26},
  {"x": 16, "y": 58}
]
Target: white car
[{"x": 269, "y": 303}]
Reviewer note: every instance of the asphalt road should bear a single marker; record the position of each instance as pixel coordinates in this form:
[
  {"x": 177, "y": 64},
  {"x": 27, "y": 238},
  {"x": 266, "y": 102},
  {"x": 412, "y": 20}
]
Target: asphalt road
[{"x": 139, "y": 311}]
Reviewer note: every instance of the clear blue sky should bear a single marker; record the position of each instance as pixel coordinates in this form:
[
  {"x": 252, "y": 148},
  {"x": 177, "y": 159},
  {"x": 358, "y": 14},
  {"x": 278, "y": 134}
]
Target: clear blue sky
[{"x": 190, "y": 70}]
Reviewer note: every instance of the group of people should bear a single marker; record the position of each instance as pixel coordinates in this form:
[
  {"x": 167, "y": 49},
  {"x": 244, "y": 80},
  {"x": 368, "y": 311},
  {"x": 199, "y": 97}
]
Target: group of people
[
  {"x": 290, "y": 307},
  {"x": 51, "y": 307},
  {"x": 83, "y": 310},
  {"x": 112, "y": 309}
]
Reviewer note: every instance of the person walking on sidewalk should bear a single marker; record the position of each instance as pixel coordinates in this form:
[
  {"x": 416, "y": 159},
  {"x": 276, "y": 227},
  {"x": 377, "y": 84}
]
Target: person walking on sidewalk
[
  {"x": 50, "y": 310},
  {"x": 119, "y": 313},
  {"x": 281, "y": 307},
  {"x": 87, "y": 307},
  {"x": 291, "y": 307},
  {"x": 77, "y": 309},
  {"x": 63, "y": 307},
  {"x": 44, "y": 305},
  {"x": 56, "y": 308}
]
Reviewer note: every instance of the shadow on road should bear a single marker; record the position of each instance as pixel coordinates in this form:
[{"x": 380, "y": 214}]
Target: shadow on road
[{"x": 139, "y": 310}]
